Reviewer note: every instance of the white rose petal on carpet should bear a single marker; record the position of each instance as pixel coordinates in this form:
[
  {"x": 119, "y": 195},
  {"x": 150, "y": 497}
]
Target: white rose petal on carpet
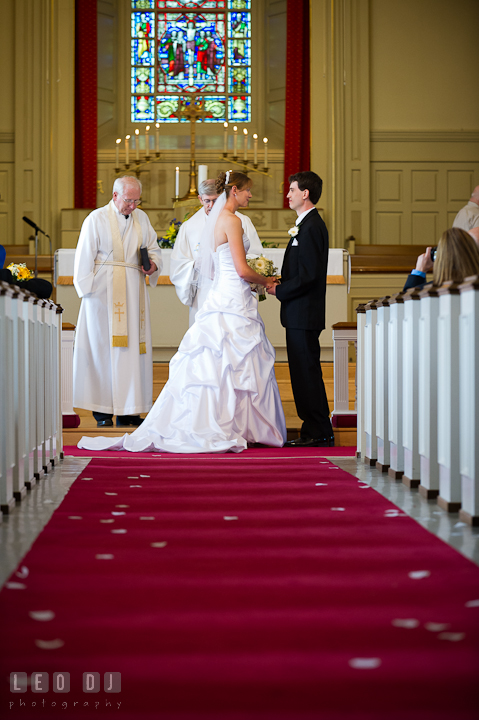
[
  {"x": 125, "y": 506},
  {"x": 159, "y": 544},
  {"x": 230, "y": 517},
  {"x": 132, "y": 477},
  {"x": 110, "y": 520},
  {"x": 436, "y": 627},
  {"x": 317, "y": 484},
  {"x": 147, "y": 518},
  {"x": 49, "y": 644},
  {"x": 339, "y": 509},
  {"x": 144, "y": 476},
  {"x": 107, "y": 493},
  {"x": 119, "y": 531},
  {"x": 136, "y": 485},
  {"x": 451, "y": 636},
  {"x": 87, "y": 478},
  {"x": 42, "y": 615},
  {"x": 408, "y": 623},
  {"x": 75, "y": 517},
  {"x": 15, "y": 586},
  {"x": 104, "y": 556},
  {"x": 419, "y": 574},
  {"x": 365, "y": 663},
  {"x": 472, "y": 603},
  {"x": 118, "y": 512},
  {"x": 23, "y": 572}
]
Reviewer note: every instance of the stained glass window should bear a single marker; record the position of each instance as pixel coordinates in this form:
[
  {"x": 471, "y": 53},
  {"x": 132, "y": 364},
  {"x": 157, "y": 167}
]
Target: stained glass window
[{"x": 188, "y": 50}]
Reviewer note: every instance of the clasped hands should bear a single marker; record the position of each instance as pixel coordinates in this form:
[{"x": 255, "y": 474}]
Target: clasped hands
[{"x": 271, "y": 286}]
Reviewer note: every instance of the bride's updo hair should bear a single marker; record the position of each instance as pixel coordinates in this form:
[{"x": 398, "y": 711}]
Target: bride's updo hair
[{"x": 234, "y": 178}]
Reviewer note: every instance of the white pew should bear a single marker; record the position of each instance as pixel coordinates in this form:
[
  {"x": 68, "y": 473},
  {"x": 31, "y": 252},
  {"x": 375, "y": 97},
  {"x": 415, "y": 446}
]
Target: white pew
[
  {"x": 410, "y": 350},
  {"x": 395, "y": 388},
  {"x": 370, "y": 384},
  {"x": 382, "y": 395}
]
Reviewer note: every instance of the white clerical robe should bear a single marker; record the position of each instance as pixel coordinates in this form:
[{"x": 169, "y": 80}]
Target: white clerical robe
[
  {"x": 116, "y": 380},
  {"x": 185, "y": 251}
]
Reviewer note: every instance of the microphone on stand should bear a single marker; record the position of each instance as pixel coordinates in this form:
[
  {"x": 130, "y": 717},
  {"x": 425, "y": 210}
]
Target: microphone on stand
[{"x": 37, "y": 230}]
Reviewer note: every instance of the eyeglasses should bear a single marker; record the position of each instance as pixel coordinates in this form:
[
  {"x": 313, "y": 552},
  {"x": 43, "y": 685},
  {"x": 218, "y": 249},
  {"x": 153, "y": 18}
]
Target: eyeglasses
[
  {"x": 208, "y": 201},
  {"x": 131, "y": 202}
]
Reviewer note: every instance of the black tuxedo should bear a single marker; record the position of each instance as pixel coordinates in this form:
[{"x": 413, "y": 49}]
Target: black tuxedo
[{"x": 302, "y": 294}]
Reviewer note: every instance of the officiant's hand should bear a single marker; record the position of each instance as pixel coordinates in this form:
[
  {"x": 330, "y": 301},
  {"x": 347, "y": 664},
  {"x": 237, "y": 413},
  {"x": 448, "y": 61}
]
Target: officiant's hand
[{"x": 152, "y": 269}]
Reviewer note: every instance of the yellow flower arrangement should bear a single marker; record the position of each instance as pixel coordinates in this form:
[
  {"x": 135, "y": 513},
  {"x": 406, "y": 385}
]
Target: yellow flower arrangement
[{"x": 20, "y": 271}]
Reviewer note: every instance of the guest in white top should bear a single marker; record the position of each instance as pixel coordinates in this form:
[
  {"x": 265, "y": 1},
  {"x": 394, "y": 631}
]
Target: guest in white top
[
  {"x": 183, "y": 271},
  {"x": 112, "y": 360},
  {"x": 468, "y": 216}
]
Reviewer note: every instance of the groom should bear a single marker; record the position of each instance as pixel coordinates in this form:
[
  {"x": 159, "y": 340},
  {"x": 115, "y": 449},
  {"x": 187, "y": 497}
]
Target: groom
[{"x": 302, "y": 295}]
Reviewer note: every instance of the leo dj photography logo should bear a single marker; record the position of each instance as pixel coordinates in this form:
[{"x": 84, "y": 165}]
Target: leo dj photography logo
[{"x": 60, "y": 682}]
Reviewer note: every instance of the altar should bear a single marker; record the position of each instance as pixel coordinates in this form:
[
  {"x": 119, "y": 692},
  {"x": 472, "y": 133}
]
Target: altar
[{"x": 169, "y": 317}]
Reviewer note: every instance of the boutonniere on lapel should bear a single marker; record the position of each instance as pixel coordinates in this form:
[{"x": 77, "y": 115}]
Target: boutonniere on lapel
[{"x": 293, "y": 232}]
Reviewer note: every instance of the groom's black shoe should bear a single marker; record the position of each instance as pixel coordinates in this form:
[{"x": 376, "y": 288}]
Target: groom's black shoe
[
  {"x": 310, "y": 442},
  {"x": 127, "y": 420},
  {"x": 108, "y": 422}
]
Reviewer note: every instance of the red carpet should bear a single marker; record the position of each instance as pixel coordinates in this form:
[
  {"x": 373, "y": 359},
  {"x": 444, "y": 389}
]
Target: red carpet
[
  {"x": 232, "y": 589},
  {"x": 257, "y": 452}
]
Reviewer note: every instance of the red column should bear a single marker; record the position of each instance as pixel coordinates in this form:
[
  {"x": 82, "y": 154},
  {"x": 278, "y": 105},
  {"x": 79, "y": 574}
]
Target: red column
[
  {"x": 297, "y": 140},
  {"x": 85, "y": 103}
]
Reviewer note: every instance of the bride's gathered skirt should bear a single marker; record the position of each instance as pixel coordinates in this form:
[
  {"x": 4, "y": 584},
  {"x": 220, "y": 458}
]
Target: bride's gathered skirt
[{"x": 222, "y": 392}]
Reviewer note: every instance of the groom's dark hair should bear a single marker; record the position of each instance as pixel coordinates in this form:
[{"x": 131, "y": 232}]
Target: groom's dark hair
[{"x": 308, "y": 180}]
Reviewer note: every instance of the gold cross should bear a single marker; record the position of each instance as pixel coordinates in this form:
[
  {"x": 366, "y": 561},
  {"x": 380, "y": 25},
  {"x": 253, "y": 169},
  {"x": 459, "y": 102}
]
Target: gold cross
[{"x": 119, "y": 312}]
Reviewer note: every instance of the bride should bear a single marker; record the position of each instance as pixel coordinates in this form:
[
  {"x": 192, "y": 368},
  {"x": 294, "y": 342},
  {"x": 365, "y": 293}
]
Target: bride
[{"x": 222, "y": 392}]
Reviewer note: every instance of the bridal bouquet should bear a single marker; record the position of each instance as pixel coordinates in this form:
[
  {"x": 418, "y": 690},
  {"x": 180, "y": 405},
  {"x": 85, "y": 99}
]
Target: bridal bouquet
[
  {"x": 265, "y": 267},
  {"x": 20, "y": 271}
]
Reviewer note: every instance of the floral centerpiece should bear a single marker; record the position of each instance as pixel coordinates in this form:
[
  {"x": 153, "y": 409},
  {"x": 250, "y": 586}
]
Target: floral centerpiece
[
  {"x": 265, "y": 267},
  {"x": 20, "y": 271},
  {"x": 168, "y": 240}
]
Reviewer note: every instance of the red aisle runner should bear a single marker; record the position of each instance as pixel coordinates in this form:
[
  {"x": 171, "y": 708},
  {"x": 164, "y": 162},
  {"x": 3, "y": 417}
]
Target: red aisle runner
[{"x": 232, "y": 588}]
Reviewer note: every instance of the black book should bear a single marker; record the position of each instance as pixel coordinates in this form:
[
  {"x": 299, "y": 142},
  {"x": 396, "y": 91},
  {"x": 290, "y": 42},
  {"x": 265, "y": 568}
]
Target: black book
[{"x": 145, "y": 260}]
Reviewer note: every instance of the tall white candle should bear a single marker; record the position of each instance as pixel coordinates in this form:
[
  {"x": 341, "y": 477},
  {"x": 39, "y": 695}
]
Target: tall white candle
[
  {"x": 147, "y": 141},
  {"x": 177, "y": 182},
  {"x": 127, "y": 150},
  {"x": 255, "y": 149},
  {"x": 117, "y": 165},
  {"x": 157, "y": 134},
  {"x": 137, "y": 144},
  {"x": 235, "y": 141},
  {"x": 265, "y": 140},
  {"x": 225, "y": 144},
  {"x": 202, "y": 173},
  {"x": 245, "y": 147}
]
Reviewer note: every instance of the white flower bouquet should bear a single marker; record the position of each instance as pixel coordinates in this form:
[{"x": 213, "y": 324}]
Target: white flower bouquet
[{"x": 265, "y": 267}]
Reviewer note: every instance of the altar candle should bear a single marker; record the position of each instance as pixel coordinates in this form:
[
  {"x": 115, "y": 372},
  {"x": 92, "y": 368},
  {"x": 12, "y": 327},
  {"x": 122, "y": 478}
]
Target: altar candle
[
  {"x": 235, "y": 141},
  {"x": 245, "y": 149},
  {"x": 157, "y": 137},
  {"x": 255, "y": 149},
  {"x": 202, "y": 173},
  {"x": 265, "y": 140},
  {"x": 225, "y": 146},
  {"x": 147, "y": 141},
  {"x": 177, "y": 182},
  {"x": 127, "y": 150},
  {"x": 118, "y": 153},
  {"x": 137, "y": 143}
]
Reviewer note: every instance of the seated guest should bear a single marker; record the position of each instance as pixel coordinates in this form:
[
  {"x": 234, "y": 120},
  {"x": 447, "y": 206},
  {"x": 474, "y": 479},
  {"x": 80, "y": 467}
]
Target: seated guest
[
  {"x": 468, "y": 216},
  {"x": 457, "y": 257}
]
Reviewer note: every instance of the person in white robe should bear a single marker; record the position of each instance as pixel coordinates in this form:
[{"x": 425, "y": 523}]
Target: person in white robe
[
  {"x": 112, "y": 359},
  {"x": 183, "y": 270}
]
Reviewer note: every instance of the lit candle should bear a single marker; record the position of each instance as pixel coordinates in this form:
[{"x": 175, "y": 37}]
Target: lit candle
[
  {"x": 118, "y": 153},
  {"x": 265, "y": 140},
  {"x": 127, "y": 150},
  {"x": 147, "y": 141},
  {"x": 255, "y": 149},
  {"x": 137, "y": 143},
  {"x": 225, "y": 147},
  {"x": 235, "y": 141},
  {"x": 245, "y": 148},
  {"x": 177, "y": 182},
  {"x": 157, "y": 134}
]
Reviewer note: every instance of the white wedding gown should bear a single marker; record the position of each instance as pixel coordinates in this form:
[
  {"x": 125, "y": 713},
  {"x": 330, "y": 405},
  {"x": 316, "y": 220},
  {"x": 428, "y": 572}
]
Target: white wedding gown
[{"x": 222, "y": 391}]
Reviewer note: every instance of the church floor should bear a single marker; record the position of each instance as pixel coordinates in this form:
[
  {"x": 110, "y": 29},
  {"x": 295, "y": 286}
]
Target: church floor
[{"x": 19, "y": 530}]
